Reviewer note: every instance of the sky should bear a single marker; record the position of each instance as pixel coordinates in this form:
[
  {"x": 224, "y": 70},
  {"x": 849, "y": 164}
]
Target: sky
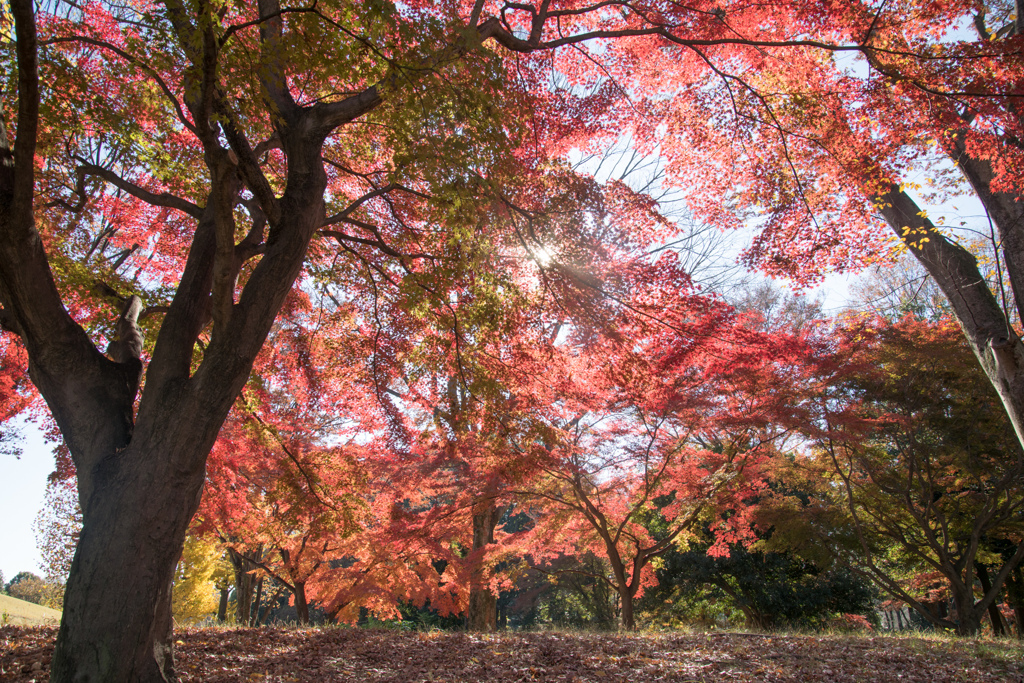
[{"x": 22, "y": 485}]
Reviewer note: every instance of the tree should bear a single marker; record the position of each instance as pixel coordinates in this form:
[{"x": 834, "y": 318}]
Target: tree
[
  {"x": 30, "y": 588},
  {"x": 192, "y": 596},
  {"x": 176, "y": 125},
  {"x": 672, "y": 424},
  {"x": 57, "y": 528},
  {"x": 821, "y": 154},
  {"x": 771, "y": 589},
  {"x": 914, "y": 452},
  {"x": 895, "y": 290}
]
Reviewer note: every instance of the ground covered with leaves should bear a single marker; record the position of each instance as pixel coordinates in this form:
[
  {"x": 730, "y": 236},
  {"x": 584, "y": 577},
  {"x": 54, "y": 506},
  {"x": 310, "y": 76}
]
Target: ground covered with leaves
[{"x": 340, "y": 654}]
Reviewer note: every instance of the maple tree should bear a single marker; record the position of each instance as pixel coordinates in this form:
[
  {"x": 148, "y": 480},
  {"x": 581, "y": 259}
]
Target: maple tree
[
  {"x": 205, "y": 162},
  {"x": 674, "y": 425},
  {"x": 820, "y": 152},
  {"x": 284, "y": 479},
  {"x": 915, "y": 464}
]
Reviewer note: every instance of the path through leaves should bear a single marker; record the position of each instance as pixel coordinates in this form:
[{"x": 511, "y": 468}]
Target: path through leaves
[{"x": 300, "y": 655}]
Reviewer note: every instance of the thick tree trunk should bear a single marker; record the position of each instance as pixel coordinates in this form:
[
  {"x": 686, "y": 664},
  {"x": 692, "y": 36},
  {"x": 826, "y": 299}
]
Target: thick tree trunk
[
  {"x": 968, "y": 617},
  {"x": 626, "y": 613},
  {"x": 116, "y": 624},
  {"x": 968, "y": 624},
  {"x": 483, "y": 611},
  {"x": 301, "y": 604},
  {"x": 482, "y": 615}
]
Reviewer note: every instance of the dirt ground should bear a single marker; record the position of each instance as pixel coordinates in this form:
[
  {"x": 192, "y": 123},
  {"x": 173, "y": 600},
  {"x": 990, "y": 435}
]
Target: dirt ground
[{"x": 290, "y": 655}]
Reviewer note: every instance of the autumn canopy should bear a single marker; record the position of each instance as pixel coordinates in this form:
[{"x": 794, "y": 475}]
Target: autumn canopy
[{"x": 356, "y": 269}]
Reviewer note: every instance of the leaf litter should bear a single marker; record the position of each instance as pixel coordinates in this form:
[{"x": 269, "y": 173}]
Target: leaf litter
[{"x": 295, "y": 655}]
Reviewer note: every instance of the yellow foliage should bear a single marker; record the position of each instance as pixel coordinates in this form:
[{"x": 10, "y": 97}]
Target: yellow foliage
[{"x": 201, "y": 568}]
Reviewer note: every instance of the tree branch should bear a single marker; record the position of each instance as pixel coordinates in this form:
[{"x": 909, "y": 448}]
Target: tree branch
[{"x": 166, "y": 199}]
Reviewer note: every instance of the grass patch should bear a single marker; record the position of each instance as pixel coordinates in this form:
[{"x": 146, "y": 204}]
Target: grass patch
[{"x": 20, "y": 613}]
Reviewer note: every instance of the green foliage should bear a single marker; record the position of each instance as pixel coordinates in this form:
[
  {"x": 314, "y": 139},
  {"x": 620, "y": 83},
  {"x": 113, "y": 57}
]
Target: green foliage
[
  {"x": 916, "y": 473},
  {"x": 580, "y": 598},
  {"x": 770, "y": 590},
  {"x": 415, "y": 618}
]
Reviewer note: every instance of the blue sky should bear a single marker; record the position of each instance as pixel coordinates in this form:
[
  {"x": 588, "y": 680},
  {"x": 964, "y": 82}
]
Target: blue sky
[{"x": 22, "y": 485}]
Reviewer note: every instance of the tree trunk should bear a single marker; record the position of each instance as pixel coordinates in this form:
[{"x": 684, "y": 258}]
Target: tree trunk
[
  {"x": 301, "y": 605},
  {"x": 968, "y": 624},
  {"x": 626, "y": 613},
  {"x": 222, "y": 606},
  {"x": 998, "y": 349},
  {"x": 968, "y": 619},
  {"x": 255, "y": 618},
  {"x": 116, "y": 623},
  {"x": 243, "y": 586},
  {"x": 993, "y": 607},
  {"x": 482, "y": 615},
  {"x": 1015, "y": 593}
]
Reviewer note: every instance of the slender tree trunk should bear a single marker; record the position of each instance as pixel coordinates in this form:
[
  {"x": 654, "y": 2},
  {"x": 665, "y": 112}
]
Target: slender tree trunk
[
  {"x": 255, "y": 618},
  {"x": 993, "y": 607},
  {"x": 222, "y": 606},
  {"x": 1015, "y": 594},
  {"x": 482, "y": 615},
  {"x": 998, "y": 349}
]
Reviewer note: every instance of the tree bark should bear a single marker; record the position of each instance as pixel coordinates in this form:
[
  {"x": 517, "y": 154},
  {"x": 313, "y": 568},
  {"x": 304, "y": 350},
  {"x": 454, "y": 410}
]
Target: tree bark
[
  {"x": 993, "y": 607},
  {"x": 1006, "y": 212},
  {"x": 222, "y": 606},
  {"x": 243, "y": 584},
  {"x": 968, "y": 617},
  {"x": 255, "y": 612},
  {"x": 482, "y": 615},
  {"x": 955, "y": 270},
  {"x": 626, "y": 607},
  {"x": 301, "y": 604},
  {"x": 116, "y": 623}
]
